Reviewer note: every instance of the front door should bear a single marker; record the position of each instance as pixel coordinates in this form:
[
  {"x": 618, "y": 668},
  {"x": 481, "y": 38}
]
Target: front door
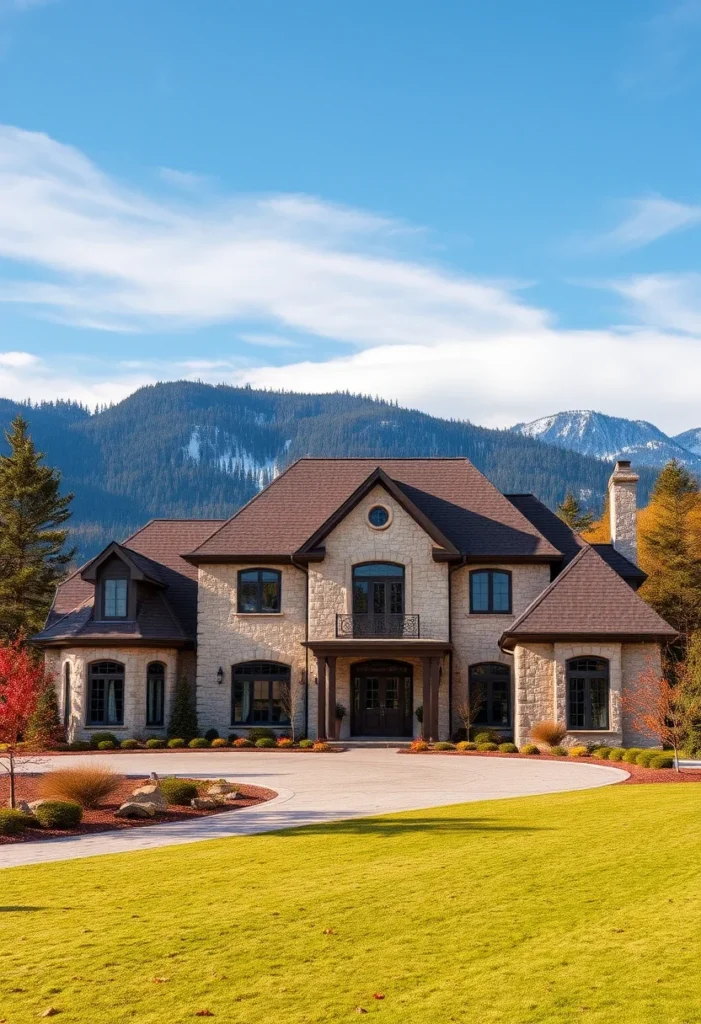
[{"x": 382, "y": 699}]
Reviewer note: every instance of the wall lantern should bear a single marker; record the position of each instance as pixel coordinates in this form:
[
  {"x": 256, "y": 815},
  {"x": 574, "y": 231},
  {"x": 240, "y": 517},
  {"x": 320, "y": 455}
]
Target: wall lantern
[{"x": 220, "y": 675}]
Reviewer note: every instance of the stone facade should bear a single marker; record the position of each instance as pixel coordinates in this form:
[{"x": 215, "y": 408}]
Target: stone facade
[
  {"x": 623, "y": 509},
  {"x": 135, "y": 661}
]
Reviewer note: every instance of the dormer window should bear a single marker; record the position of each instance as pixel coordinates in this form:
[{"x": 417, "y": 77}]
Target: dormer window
[{"x": 115, "y": 598}]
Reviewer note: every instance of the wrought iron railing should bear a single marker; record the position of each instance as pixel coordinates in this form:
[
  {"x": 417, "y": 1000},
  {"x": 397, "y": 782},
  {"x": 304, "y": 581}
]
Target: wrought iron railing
[{"x": 378, "y": 627}]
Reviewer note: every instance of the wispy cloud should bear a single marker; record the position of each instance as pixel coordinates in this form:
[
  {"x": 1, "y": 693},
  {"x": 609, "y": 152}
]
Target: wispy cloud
[
  {"x": 665, "y": 50},
  {"x": 18, "y": 359},
  {"x": 647, "y": 220},
  {"x": 182, "y": 179},
  {"x": 669, "y": 301}
]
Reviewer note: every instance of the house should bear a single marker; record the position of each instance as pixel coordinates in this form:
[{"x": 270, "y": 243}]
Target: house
[{"x": 390, "y": 587}]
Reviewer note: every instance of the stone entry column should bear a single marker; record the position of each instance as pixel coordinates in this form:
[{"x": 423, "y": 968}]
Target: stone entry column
[
  {"x": 430, "y": 671},
  {"x": 331, "y": 698},
  {"x": 321, "y": 699}
]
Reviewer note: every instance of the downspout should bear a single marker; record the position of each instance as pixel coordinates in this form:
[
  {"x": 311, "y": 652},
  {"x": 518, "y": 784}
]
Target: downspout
[
  {"x": 301, "y": 568},
  {"x": 461, "y": 564}
]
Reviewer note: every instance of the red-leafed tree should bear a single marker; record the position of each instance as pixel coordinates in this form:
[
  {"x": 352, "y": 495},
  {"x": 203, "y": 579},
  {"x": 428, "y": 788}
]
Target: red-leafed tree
[
  {"x": 657, "y": 707},
  {"x": 22, "y": 680}
]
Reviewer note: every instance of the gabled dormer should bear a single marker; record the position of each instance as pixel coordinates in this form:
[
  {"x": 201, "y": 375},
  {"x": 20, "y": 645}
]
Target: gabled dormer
[{"x": 121, "y": 579}]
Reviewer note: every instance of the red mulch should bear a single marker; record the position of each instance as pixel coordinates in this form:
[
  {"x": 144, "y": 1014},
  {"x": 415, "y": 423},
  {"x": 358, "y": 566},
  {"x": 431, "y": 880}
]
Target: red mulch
[
  {"x": 637, "y": 775},
  {"x": 103, "y": 820}
]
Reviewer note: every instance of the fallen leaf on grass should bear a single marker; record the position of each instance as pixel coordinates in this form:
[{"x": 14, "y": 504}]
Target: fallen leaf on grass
[
  {"x": 378, "y": 995},
  {"x": 329, "y": 931},
  {"x": 160, "y": 981},
  {"x": 204, "y": 1013},
  {"x": 50, "y": 1012},
  {"x": 360, "y": 1009}
]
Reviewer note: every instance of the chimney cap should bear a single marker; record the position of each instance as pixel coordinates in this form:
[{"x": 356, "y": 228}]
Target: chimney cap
[{"x": 623, "y": 472}]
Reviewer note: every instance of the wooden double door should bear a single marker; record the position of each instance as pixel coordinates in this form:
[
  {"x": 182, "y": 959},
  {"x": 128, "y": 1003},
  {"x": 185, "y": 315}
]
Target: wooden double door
[{"x": 382, "y": 699}]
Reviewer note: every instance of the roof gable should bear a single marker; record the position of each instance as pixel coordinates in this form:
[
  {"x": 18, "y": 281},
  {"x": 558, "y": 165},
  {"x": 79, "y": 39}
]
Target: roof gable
[{"x": 141, "y": 568}]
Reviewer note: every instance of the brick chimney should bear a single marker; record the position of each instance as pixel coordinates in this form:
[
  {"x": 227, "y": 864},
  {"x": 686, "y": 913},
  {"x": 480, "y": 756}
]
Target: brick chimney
[{"x": 623, "y": 507}]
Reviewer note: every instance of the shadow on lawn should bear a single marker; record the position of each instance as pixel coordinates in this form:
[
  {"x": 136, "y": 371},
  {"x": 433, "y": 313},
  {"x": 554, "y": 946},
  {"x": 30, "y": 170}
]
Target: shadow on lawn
[
  {"x": 393, "y": 826},
  {"x": 19, "y": 910}
]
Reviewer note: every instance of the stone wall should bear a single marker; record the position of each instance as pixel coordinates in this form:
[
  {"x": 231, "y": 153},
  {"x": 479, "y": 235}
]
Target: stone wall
[
  {"x": 135, "y": 661},
  {"x": 637, "y": 660},
  {"x": 612, "y": 736},
  {"x": 226, "y": 638},
  {"x": 534, "y": 687}
]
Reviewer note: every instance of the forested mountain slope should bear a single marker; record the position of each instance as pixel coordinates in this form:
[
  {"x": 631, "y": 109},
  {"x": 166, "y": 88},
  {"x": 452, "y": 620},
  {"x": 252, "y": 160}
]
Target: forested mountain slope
[{"x": 189, "y": 449}]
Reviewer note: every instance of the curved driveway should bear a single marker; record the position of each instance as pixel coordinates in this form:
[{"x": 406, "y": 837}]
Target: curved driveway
[{"x": 314, "y": 788}]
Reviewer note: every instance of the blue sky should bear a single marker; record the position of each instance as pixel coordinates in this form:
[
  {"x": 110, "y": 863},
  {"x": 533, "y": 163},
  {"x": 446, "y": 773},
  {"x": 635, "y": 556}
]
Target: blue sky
[{"x": 484, "y": 210}]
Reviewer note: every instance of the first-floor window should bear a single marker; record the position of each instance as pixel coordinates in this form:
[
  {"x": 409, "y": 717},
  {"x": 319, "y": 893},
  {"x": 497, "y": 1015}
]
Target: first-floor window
[
  {"x": 490, "y": 694},
  {"x": 106, "y": 693},
  {"x": 155, "y": 694},
  {"x": 587, "y": 693},
  {"x": 258, "y": 692}
]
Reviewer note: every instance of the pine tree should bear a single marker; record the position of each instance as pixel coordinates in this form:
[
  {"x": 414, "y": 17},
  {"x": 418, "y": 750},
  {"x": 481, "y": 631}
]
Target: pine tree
[
  {"x": 32, "y": 555},
  {"x": 670, "y": 549},
  {"x": 183, "y": 715},
  {"x": 570, "y": 511},
  {"x": 45, "y": 728}
]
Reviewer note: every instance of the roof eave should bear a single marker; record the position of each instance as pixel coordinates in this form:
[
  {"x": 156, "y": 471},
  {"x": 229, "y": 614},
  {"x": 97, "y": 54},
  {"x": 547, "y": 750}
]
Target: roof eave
[{"x": 508, "y": 641}]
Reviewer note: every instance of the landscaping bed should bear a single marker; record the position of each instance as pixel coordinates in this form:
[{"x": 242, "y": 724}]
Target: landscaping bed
[{"x": 102, "y": 818}]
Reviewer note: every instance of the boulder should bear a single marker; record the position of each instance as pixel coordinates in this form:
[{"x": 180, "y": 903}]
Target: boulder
[
  {"x": 136, "y": 810},
  {"x": 33, "y": 804},
  {"x": 151, "y": 793},
  {"x": 220, "y": 787},
  {"x": 206, "y": 803},
  {"x": 230, "y": 798}
]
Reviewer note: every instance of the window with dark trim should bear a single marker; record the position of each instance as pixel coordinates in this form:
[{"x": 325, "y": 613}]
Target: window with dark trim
[
  {"x": 115, "y": 598},
  {"x": 490, "y": 694},
  {"x": 66, "y": 694},
  {"x": 258, "y": 692},
  {"x": 259, "y": 591},
  {"x": 155, "y": 694},
  {"x": 106, "y": 693},
  {"x": 490, "y": 592},
  {"x": 588, "y": 693}
]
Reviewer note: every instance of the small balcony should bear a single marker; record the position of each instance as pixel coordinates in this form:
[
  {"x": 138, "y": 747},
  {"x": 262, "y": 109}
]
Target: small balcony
[{"x": 378, "y": 627}]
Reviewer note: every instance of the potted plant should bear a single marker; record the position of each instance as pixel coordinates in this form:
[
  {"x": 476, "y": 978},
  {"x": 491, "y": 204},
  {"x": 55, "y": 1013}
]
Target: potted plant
[{"x": 340, "y": 715}]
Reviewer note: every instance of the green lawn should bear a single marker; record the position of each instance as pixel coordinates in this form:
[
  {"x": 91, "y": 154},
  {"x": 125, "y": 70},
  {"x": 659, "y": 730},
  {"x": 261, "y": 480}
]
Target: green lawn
[{"x": 583, "y": 906}]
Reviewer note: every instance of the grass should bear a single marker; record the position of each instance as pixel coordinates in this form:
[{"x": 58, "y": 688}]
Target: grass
[{"x": 575, "y": 907}]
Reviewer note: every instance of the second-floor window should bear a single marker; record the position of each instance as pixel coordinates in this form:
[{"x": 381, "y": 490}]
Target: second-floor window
[
  {"x": 114, "y": 599},
  {"x": 259, "y": 591},
  {"x": 490, "y": 591},
  {"x": 378, "y": 589}
]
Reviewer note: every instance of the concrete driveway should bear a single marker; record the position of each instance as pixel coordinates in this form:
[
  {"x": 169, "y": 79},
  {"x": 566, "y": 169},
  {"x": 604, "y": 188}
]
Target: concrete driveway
[{"x": 312, "y": 789}]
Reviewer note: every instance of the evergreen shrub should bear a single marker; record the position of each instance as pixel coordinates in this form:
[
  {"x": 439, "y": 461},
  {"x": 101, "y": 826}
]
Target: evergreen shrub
[
  {"x": 444, "y": 745},
  {"x": 198, "y": 743},
  {"x": 178, "y": 791},
  {"x": 261, "y": 733},
  {"x": 155, "y": 743},
  {"x": 218, "y": 741},
  {"x": 59, "y": 814},
  {"x": 265, "y": 742},
  {"x": 662, "y": 761},
  {"x": 12, "y": 821},
  {"x": 559, "y": 751},
  {"x": 529, "y": 748},
  {"x": 509, "y": 748},
  {"x": 176, "y": 743},
  {"x": 103, "y": 737},
  {"x": 486, "y": 747},
  {"x": 129, "y": 744}
]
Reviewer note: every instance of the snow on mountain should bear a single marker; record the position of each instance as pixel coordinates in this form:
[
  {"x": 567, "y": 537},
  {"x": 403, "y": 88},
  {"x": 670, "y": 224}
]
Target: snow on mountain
[
  {"x": 214, "y": 447},
  {"x": 610, "y": 437},
  {"x": 690, "y": 439}
]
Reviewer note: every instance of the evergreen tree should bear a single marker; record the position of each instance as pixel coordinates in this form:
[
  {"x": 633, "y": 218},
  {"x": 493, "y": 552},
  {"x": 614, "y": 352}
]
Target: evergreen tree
[
  {"x": 570, "y": 511},
  {"x": 670, "y": 549},
  {"x": 45, "y": 729},
  {"x": 599, "y": 532},
  {"x": 690, "y": 696},
  {"x": 183, "y": 715},
  {"x": 32, "y": 514}
]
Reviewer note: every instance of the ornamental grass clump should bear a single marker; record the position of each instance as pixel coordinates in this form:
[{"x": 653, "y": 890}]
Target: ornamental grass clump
[
  {"x": 59, "y": 814},
  {"x": 529, "y": 748},
  {"x": 89, "y": 787},
  {"x": 549, "y": 732},
  {"x": 420, "y": 746},
  {"x": 178, "y": 791},
  {"x": 321, "y": 747},
  {"x": 508, "y": 748}
]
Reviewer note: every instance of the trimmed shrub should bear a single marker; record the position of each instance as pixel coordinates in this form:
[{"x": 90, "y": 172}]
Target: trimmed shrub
[
  {"x": 285, "y": 743},
  {"x": 176, "y": 743},
  {"x": 645, "y": 756},
  {"x": 559, "y": 751},
  {"x": 444, "y": 745},
  {"x": 79, "y": 745},
  {"x": 616, "y": 753},
  {"x": 129, "y": 744},
  {"x": 466, "y": 745},
  {"x": 485, "y": 736},
  {"x": 107, "y": 745},
  {"x": 580, "y": 751},
  {"x": 419, "y": 745},
  {"x": 243, "y": 742},
  {"x": 529, "y": 748},
  {"x": 306, "y": 744},
  {"x": 601, "y": 752},
  {"x": 178, "y": 791},
  {"x": 630, "y": 756},
  {"x": 321, "y": 746},
  {"x": 183, "y": 713},
  {"x": 198, "y": 743},
  {"x": 12, "y": 821},
  {"x": 265, "y": 742},
  {"x": 233, "y": 736},
  {"x": 486, "y": 747},
  {"x": 549, "y": 732},
  {"x": 219, "y": 742},
  {"x": 261, "y": 733},
  {"x": 211, "y": 734},
  {"x": 662, "y": 761},
  {"x": 59, "y": 814},
  {"x": 102, "y": 737},
  {"x": 508, "y": 748},
  {"x": 87, "y": 786},
  {"x": 155, "y": 743},
  {"x": 62, "y": 747}
]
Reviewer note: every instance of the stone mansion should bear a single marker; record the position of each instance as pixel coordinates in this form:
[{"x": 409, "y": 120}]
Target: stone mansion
[{"x": 380, "y": 593}]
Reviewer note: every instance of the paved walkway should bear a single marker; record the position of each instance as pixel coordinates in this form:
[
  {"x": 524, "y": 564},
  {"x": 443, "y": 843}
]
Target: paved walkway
[{"x": 312, "y": 789}]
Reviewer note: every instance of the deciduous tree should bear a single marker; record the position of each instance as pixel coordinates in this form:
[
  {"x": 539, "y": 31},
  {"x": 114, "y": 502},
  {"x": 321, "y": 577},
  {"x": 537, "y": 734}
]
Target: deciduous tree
[{"x": 22, "y": 680}]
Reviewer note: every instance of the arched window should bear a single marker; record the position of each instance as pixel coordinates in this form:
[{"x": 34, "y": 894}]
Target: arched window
[
  {"x": 378, "y": 589},
  {"x": 490, "y": 592},
  {"x": 587, "y": 693},
  {"x": 259, "y": 693},
  {"x": 66, "y": 694},
  {"x": 106, "y": 693},
  {"x": 259, "y": 591},
  {"x": 155, "y": 694},
  {"x": 490, "y": 694}
]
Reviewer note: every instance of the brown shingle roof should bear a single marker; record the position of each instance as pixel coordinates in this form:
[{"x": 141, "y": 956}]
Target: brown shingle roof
[
  {"x": 477, "y": 519},
  {"x": 588, "y": 598}
]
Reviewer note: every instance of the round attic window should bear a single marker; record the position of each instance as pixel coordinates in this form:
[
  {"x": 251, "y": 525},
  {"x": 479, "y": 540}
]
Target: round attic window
[{"x": 379, "y": 517}]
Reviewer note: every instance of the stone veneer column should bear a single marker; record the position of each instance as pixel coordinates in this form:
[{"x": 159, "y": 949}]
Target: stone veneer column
[{"x": 623, "y": 510}]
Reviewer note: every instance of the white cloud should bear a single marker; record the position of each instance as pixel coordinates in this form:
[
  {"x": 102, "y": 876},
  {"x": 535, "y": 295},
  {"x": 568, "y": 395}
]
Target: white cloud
[
  {"x": 671, "y": 301},
  {"x": 18, "y": 359},
  {"x": 181, "y": 179},
  {"x": 648, "y": 220}
]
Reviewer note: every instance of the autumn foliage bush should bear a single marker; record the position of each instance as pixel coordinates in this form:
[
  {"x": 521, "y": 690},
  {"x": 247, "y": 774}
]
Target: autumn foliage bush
[
  {"x": 549, "y": 732},
  {"x": 285, "y": 743},
  {"x": 243, "y": 742},
  {"x": 420, "y": 745},
  {"x": 87, "y": 786},
  {"x": 578, "y": 752}
]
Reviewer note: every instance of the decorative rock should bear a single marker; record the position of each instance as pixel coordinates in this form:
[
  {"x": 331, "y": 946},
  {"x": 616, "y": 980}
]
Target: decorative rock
[
  {"x": 136, "y": 810},
  {"x": 33, "y": 804},
  {"x": 149, "y": 794},
  {"x": 206, "y": 803},
  {"x": 231, "y": 798},
  {"x": 220, "y": 788},
  {"x": 23, "y": 806}
]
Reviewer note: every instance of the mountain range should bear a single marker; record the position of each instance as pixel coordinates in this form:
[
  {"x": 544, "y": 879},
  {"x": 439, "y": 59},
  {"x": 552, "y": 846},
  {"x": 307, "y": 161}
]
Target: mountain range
[{"x": 190, "y": 449}]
